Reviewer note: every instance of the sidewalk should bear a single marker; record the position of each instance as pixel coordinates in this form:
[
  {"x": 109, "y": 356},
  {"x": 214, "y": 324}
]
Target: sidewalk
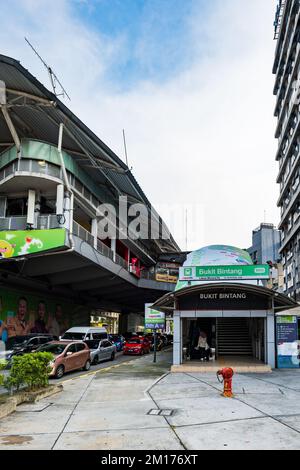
[{"x": 110, "y": 410}]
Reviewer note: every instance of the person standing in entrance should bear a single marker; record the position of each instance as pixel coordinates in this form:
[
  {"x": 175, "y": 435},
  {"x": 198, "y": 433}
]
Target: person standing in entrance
[{"x": 203, "y": 346}]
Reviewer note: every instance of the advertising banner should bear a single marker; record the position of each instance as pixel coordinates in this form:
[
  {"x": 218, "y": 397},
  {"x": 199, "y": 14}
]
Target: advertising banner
[
  {"x": 22, "y": 243},
  {"x": 23, "y": 313},
  {"x": 287, "y": 342},
  {"x": 154, "y": 320},
  {"x": 219, "y": 273}
]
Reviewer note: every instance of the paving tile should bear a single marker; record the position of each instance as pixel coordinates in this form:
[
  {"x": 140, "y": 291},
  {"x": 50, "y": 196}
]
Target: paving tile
[
  {"x": 104, "y": 416},
  {"x": 28, "y": 442},
  {"x": 260, "y": 434},
  {"x": 190, "y": 411},
  {"x": 160, "y": 439}
]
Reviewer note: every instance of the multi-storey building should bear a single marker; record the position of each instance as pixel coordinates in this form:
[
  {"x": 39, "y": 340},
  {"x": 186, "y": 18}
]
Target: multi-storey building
[
  {"x": 265, "y": 244},
  {"x": 55, "y": 174},
  {"x": 287, "y": 110}
]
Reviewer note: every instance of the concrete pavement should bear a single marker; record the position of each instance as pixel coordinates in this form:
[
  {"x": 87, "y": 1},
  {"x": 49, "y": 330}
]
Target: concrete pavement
[{"x": 111, "y": 410}]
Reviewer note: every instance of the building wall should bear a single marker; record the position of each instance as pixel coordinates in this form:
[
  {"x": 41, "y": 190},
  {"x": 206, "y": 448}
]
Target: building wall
[
  {"x": 287, "y": 110},
  {"x": 265, "y": 244}
]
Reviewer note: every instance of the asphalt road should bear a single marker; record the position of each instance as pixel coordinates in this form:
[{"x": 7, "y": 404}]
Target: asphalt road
[{"x": 120, "y": 359}]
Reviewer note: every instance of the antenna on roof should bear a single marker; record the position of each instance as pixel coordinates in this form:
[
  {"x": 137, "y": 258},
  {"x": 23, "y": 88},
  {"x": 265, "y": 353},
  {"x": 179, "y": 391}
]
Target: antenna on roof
[
  {"x": 53, "y": 77},
  {"x": 125, "y": 147}
]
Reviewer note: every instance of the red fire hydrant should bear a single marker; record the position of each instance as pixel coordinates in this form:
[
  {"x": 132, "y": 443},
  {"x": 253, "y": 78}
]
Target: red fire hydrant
[{"x": 226, "y": 375}]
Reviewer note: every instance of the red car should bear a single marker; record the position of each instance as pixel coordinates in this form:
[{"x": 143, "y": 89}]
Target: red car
[{"x": 137, "y": 345}]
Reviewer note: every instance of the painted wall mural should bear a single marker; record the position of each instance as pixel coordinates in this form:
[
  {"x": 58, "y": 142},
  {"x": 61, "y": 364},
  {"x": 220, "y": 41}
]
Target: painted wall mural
[{"x": 22, "y": 314}]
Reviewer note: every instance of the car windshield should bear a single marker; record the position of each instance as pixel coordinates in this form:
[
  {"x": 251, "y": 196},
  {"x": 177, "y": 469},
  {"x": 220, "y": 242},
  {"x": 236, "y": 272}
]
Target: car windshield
[
  {"x": 92, "y": 344},
  {"x": 134, "y": 341},
  {"x": 74, "y": 336},
  {"x": 115, "y": 338},
  {"x": 55, "y": 349},
  {"x": 17, "y": 341}
]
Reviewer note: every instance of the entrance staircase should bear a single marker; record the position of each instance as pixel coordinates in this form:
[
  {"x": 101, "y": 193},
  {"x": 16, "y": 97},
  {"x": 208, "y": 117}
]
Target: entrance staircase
[{"x": 233, "y": 337}]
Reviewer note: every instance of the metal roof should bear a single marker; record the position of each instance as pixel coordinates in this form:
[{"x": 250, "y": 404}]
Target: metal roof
[
  {"x": 37, "y": 113},
  {"x": 281, "y": 301}
]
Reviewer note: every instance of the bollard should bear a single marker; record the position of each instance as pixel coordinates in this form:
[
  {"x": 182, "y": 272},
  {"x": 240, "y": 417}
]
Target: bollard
[{"x": 227, "y": 375}]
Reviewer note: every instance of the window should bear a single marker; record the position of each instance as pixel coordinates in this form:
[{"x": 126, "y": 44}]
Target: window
[
  {"x": 80, "y": 347},
  {"x": 16, "y": 207},
  {"x": 47, "y": 206},
  {"x": 106, "y": 344},
  {"x": 99, "y": 336},
  {"x": 72, "y": 348},
  {"x": 33, "y": 342},
  {"x": 45, "y": 340}
]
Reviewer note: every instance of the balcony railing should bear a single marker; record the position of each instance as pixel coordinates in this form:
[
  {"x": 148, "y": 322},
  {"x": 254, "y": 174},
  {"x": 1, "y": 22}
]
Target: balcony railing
[
  {"x": 47, "y": 222},
  {"x": 44, "y": 222}
]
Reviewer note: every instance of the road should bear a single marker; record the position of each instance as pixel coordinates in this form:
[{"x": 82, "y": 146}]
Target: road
[{"x": 120, "y": 359}]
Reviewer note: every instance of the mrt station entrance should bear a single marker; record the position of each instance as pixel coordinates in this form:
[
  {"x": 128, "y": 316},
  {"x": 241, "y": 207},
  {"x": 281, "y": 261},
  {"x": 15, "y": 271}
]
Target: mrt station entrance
[
  {"x": 226, "y": 337},
  {"x": 224, "y": 324}
]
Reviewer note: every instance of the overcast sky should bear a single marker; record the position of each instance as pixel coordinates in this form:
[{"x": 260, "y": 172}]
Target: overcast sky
[{"x": 189, "y": 80}]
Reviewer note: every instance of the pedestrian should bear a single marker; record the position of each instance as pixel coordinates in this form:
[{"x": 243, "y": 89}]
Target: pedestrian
[{"x": 203, "y": 346}]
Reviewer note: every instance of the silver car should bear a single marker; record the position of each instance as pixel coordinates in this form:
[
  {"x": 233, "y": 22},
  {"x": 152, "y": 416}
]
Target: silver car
[{"x": 102, "y": 350}]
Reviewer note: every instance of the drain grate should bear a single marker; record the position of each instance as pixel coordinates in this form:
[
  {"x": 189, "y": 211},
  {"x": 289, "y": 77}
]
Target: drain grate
[{"x": 161, "y": 412}]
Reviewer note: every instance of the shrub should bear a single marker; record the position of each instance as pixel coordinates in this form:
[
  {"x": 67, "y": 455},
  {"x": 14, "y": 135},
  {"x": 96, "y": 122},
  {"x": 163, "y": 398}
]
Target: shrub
[
  {"x": 31, "y": 371},
  {"x": 2, "y": 367}
]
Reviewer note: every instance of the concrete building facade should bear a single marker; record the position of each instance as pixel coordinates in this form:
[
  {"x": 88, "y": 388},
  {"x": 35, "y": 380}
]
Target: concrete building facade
[
  {"x": 265, "y": 244},
  {"x": 287, "y": 110}
]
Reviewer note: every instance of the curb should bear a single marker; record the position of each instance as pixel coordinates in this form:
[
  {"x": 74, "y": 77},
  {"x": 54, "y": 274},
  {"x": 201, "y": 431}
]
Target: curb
[{"x": 11, "y": 403}]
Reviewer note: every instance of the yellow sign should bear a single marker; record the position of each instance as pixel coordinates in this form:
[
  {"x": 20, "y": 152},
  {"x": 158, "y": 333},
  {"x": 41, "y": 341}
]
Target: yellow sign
[{"x": 166, "y": 278}]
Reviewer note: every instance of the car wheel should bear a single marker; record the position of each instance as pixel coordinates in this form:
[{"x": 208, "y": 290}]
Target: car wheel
[
  {"x": 112, "y": 357},
  {"x": 87, "y": 365},
  {"x": 59, "y": 372}
]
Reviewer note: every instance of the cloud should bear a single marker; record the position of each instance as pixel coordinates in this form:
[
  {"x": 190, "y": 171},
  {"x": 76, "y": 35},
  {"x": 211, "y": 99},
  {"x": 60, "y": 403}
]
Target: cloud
[{"x": 202, "y": 137}]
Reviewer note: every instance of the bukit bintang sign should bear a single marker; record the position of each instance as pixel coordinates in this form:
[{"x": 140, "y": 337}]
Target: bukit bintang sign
[{"x": 225, "y": 273}]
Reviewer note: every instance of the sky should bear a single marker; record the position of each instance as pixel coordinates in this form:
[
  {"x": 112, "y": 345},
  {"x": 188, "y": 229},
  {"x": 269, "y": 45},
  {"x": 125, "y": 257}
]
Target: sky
[{"x": 191, "y": 83}]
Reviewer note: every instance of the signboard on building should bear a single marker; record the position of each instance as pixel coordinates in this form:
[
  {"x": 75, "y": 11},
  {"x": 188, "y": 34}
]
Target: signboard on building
[
  {"x": 22, "y": 243},
  {"x": 224, "y": 273},
  {"x": 154, "y": 320},
  {"x": 287, "y": 342},
  {"x": 166, "y": 278}
]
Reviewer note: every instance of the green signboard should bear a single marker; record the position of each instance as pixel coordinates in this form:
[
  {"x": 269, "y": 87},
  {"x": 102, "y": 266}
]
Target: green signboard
[
  {"x": 219, "y": 273},
  {"x": 154, "y": 320},
  {"x": 22, "y": 243}
]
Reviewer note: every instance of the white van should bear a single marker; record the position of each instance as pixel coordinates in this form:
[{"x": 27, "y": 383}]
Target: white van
[{"x": 82, "y": 333}]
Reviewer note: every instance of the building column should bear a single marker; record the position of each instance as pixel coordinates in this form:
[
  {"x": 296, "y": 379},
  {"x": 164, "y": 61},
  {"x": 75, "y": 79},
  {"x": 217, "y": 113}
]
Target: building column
[
  {"x": 31, "y": 208},
  {"x": 67, "y": 213},
  {"x": 37, "y": 209},
  {"x": 177, "y": 341},
  {"x": 113, "y": 247},
  {"x": 270, "y": 340},
  {"x": 94, "y": 230}
]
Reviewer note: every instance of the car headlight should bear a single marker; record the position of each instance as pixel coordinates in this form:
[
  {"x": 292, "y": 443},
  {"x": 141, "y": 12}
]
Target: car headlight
[{"x": 51, "y": 364}]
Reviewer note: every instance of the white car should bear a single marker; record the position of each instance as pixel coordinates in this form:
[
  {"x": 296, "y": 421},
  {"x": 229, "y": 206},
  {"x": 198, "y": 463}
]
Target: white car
[
  {"x": 82, "y": 333},
  {"x": 101, "y": 350}
]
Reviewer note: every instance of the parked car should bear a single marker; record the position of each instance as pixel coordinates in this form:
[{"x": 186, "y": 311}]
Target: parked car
[
  {"x": 19, "y": 345},
  {"x": 118, "y": 341},
  {"x": 129, "y": 335},
  {"x": 68, "y": 356},
  {"x": 137, "y": 345},
  {"x": 82, "y": 333},
  {"x": 101, "y": 350}
]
